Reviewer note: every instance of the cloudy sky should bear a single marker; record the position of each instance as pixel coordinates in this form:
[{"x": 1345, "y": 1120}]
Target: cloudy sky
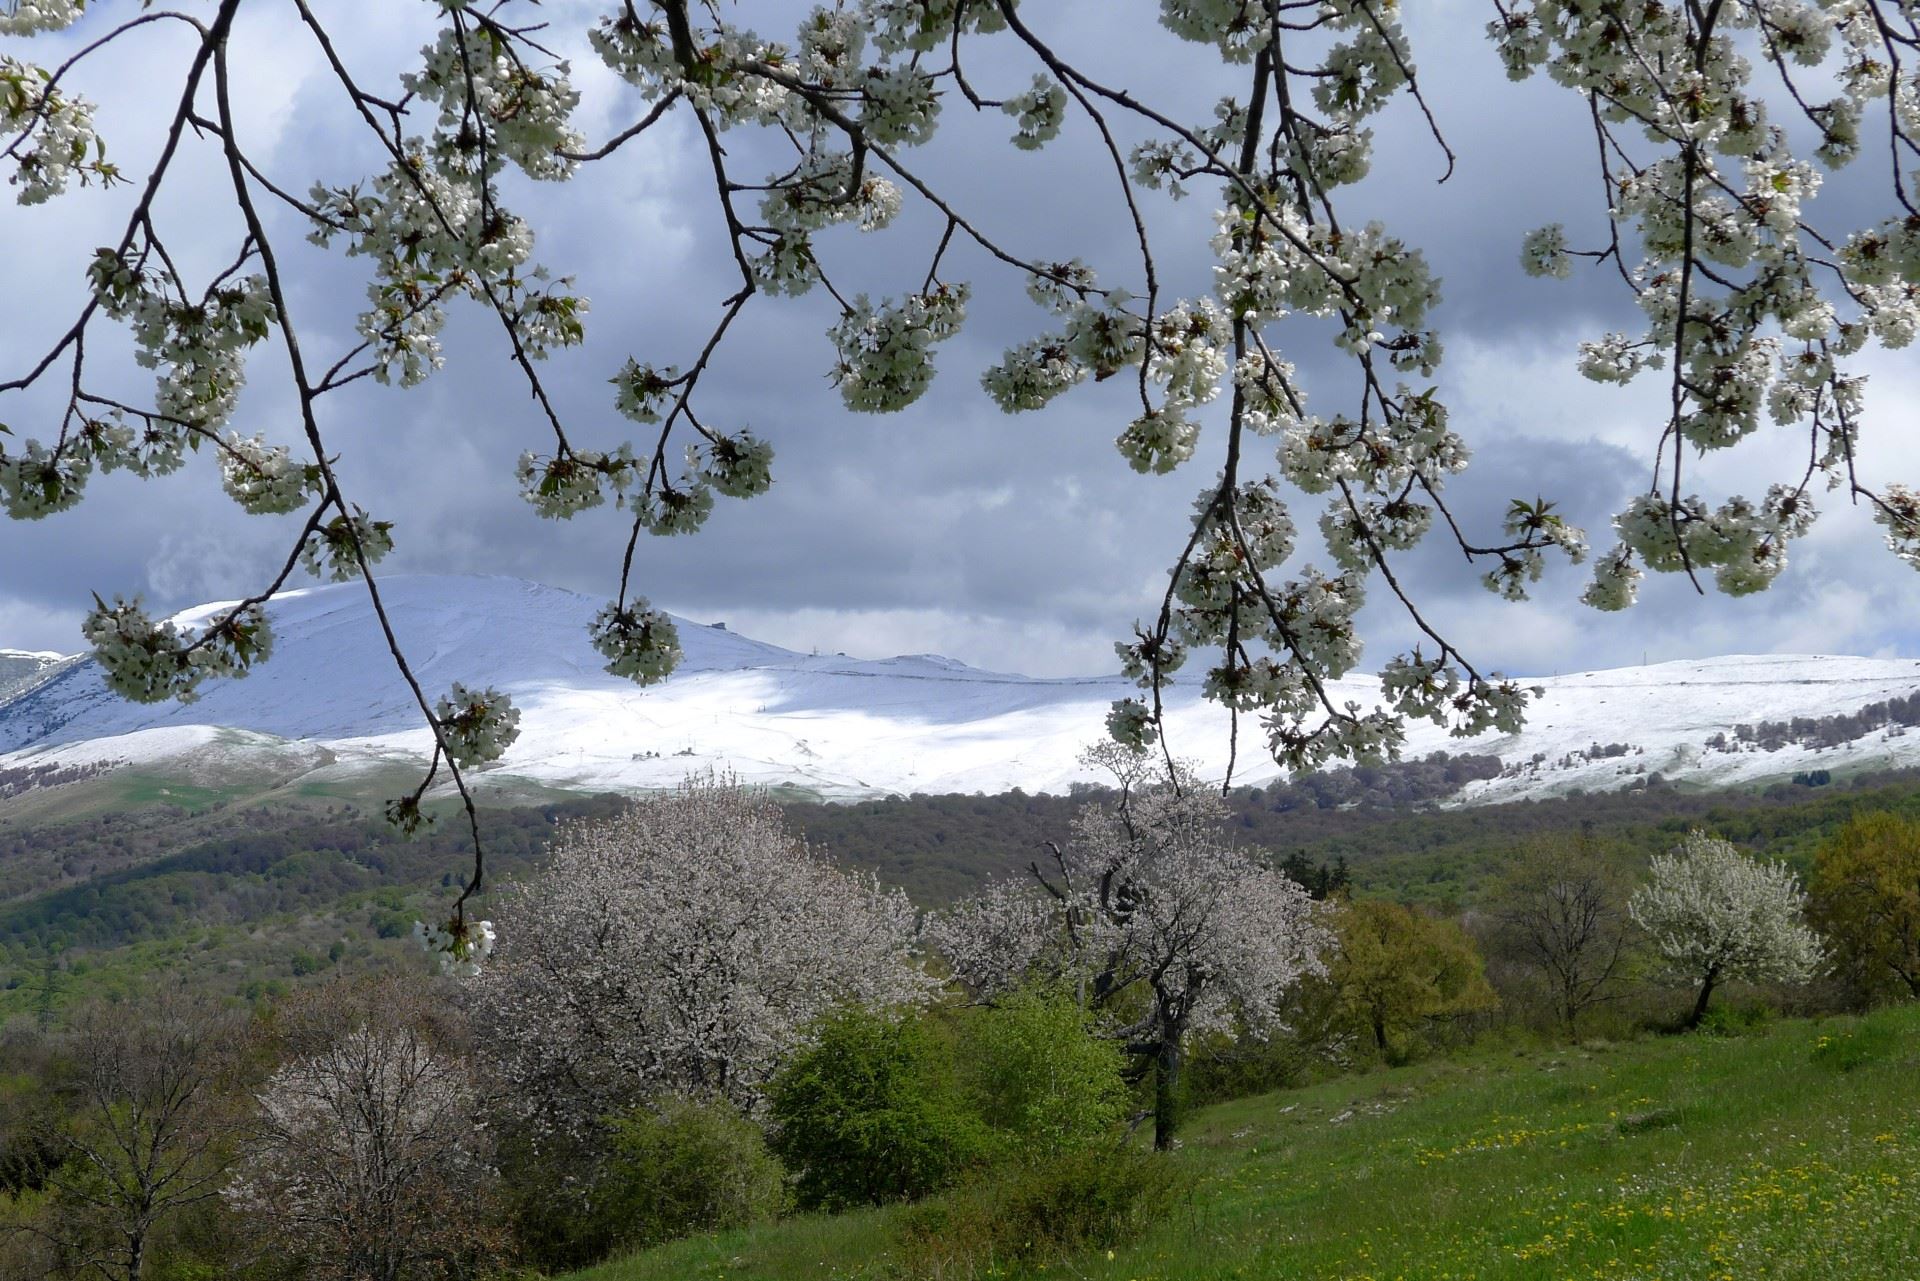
[{"x": 1022, "y": 543}]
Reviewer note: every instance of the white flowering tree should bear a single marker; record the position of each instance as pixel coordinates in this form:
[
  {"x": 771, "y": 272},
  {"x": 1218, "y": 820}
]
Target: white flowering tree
[
  {"x": 680, "y": 947},
  {"x": 370, "y": 1155},
  {"x": 1718, "y": 916},
  {"x": 1164, "y": 927},
  {"x": 1715, "y": 120}
]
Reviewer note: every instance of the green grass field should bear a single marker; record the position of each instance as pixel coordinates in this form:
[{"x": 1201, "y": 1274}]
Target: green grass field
[{"x": 1791, "y": 1152}]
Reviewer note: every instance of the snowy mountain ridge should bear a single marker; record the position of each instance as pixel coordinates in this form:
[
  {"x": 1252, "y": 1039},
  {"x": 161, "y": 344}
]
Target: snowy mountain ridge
[{"x": 329, "y": 708}]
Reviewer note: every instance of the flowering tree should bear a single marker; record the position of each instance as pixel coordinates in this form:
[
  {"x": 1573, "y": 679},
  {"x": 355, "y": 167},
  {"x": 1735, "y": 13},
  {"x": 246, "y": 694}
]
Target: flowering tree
[
  {"x": 680, "y": 948},
  {"x": 370, "y": 1157},
  {"x": 1700, "y": 111},
  {"x": 1718, "y": 916},
  {"x": 1166, "y": 928}
]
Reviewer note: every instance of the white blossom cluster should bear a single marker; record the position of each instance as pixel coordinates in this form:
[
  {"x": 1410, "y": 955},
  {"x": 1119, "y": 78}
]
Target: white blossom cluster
[
  {"x": 886, "y": 352},
  {"x": 263, "y": 478},
  {"x": 1101, "y": 336},
  {"x": 476, "y": 726},
  {"x": 37, "y": 482},
  {"x": 52, "y": 138},
  {"x": 30, "y": 17},
  {"x": 459, "y": 947},
  {"x": 528, "y": 111},
  {"x": 682, "y": 946},
  {"x": 1040, "y": 112},
  {"x": 639, "y": 642},
  {"x": 334, "y": 550},
  {"x": 1743, "y": 544},
  {"x": 1900, "y": 513},
  {"x": 569, "y": 483},
  {"x": 430, "y": 234},
  {"x": 196, "y": 346},
  {"x": 150, "y": 662},
  {"x": 1717, "y": 915},
  {"x": 1748, "y": 305}
]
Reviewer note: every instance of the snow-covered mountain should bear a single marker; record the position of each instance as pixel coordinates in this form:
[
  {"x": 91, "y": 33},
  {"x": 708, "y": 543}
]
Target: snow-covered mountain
[
  {"x": 329, "y": 708},
  {"x": 20, "y": 668}
]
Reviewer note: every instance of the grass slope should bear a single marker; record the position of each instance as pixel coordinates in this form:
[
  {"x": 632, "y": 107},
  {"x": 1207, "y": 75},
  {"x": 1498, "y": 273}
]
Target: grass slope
[{"x": 1793, "y": 1152}]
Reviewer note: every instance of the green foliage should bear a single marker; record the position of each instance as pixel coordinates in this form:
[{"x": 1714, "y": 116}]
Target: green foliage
[
  {"x": 1736, "y": 1019},
  {"x": 1855, "y": 1047},
  {"x": 1683, "y": 1158},
  {"x": 687, "y": 1166},
  {"x": 1397, "y": 969},
  {"x": 1042, "y": 1080},
  {"x": 1032, "y": 1214},
  {"x": 874, "y": 1111},
  {"x": 1866, "y": 899}
]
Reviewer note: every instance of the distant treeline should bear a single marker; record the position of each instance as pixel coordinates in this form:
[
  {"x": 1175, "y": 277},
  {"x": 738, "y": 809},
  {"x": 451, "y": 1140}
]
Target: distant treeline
[
  {"x": 1395, "y": 785},
  {"x": 165, "y": 886},
  {"x": 1822, "y": 731}
]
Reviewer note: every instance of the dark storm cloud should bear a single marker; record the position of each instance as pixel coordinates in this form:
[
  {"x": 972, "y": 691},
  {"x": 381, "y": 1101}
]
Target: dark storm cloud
[{"x": 1014, "y": 542}]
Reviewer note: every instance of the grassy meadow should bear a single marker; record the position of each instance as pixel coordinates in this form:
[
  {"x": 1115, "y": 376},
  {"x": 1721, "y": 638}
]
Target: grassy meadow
[{"x": 1792, "y": 1151}]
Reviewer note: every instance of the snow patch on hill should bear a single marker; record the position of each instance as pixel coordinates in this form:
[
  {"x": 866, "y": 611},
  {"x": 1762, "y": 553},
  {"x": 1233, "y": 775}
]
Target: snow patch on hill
[{"x": 330, "y": 705}]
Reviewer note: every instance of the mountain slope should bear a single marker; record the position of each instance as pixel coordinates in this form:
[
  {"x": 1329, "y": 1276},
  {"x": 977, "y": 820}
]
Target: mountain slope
[
  {"x": 329, "y": 709},
  {"x": 20, "y": 668}
]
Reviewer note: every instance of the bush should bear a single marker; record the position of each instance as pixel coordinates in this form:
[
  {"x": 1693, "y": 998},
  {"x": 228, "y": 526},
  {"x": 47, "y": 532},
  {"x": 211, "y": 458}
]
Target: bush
[
  {"x": 1736, "y": 1020},
  {"x": 651, "y": 1174},
  {"x": 687, "y": 1167},
  {"x": 1033, "y": 1214},
  {"x": 873, "y": 1112},
  {"x": 1041, "y": 1079}
]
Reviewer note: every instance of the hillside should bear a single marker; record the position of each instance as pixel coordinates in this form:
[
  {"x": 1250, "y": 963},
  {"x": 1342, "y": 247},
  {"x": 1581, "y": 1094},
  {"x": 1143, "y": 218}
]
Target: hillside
[
  {"x": 1787, "y": 1155},
  {"x": 839, "y": 727},
  {"x": 20, "y": 668},
  {"x": 243, "y": 899}
]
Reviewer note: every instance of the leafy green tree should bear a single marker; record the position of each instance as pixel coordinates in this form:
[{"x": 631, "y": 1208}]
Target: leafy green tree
[
  {"x": 874, "y": 1111},
  {"x": 1396, "y": 969},
  {"x": 1866, "y": 898},
  {"x": 1044, "y": 1079}
]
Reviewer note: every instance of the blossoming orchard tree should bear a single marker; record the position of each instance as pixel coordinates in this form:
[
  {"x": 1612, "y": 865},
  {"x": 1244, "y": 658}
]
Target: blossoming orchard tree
[
  {"x": 1161, "y": 925},
  {"x": 679, "y": 948},
  {"x": 1713, "y": 123},
  {"x": 1717, "y": 916}
]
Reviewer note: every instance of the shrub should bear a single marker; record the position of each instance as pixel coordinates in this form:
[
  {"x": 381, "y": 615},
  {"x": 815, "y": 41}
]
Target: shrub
[
  {"x": 874, "y": 1111},
  {"x": 1736, "y": 1020},
  {"x": 686, "y": 1167},
  {"x": 1041, "y": 1079},
  {"x": 1025, "y": 1215}
]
